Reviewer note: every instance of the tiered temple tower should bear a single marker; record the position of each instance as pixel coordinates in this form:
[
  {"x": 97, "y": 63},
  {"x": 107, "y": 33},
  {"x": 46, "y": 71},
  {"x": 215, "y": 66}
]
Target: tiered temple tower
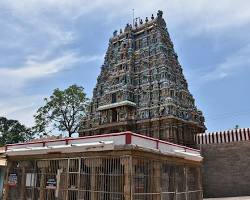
[{"x": 141, "y": 88}]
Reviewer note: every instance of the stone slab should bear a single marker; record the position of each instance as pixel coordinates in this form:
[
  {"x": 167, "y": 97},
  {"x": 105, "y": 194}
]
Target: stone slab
[{"x": 230, "y": 198}]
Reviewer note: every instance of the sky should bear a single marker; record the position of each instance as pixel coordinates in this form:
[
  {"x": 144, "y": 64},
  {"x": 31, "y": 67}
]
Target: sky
[{"x": 52, "y": 44}]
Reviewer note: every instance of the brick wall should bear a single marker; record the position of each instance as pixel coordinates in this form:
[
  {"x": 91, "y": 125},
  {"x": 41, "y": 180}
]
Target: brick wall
[{"x": 226, "y": 169}]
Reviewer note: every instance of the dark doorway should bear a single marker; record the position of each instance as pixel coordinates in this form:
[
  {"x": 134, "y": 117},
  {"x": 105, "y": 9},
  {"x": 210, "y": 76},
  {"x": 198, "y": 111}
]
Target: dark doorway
[
  {"x": 114, "y": 115},
  {"x": 114, "y": 98}
]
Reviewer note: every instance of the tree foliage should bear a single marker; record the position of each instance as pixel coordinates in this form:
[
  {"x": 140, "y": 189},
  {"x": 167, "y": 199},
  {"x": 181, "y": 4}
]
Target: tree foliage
[
  {"x": 12, "y": 131},
  {"x": 63, "y": 110}
]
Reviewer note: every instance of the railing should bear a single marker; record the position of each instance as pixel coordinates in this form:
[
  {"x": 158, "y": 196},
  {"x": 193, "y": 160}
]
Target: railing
[{"x": 104, "y": 178}]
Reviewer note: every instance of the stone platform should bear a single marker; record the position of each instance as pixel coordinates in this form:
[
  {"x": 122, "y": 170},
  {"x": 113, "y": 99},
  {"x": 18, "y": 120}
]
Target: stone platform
[{"x": 230, "y": 198}]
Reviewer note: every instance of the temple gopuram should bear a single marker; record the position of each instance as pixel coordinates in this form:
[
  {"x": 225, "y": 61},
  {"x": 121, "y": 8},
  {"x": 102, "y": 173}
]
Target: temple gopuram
[{"x": 141, "y": 88}]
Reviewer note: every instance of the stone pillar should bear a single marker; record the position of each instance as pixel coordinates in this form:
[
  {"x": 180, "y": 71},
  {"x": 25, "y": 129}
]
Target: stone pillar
[
  {"x": 200, "y": 183},
  {"x": 159, "y": 128},
  {"x": 93, "y": 164},
  {"x": 157, "y": 180},
  {"x": 42, "y": 165},
  {"x": 93, "y": 183},
  {"x": 23, "y": 166},
  {"x": 186, "y": 181},
  {"x": 6, "y": 179},
  {"x": 127, "y": 163},
  {"x": 42, "y": 184}
]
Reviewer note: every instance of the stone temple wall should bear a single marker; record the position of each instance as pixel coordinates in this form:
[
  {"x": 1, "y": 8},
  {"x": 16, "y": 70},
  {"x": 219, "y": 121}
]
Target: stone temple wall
[{"x": 226, "y": 171}]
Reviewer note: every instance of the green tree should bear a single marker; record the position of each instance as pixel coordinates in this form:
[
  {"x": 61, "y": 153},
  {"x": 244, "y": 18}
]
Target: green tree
[
  {"x": 12, "y": 131},
  {"x": 63, "y": 111}
]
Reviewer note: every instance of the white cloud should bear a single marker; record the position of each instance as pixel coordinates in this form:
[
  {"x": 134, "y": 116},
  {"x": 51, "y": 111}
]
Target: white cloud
[
  {"x": 210, "y": 14},
  {"x": 199, "y": 16},
  {"x": 36, "y": 34},
  {"x": 21, "y": 107},
  {"x": 38, "y": 28},
  {"x": 35, "y": 68},
  {"x": 213, "y": 13},
  {"x": 51, "y": 21},
  {"x": 233, "y": 63}
]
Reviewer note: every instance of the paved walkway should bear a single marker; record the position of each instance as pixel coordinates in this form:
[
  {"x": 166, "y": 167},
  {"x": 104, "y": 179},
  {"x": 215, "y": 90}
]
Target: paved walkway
[{"x": 231, "y": 198}]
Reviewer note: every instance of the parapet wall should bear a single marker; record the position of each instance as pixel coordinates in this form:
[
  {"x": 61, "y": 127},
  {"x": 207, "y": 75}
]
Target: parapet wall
[
  {"x": 226, "y": 171},
  {"x": 235, "y": 135}
]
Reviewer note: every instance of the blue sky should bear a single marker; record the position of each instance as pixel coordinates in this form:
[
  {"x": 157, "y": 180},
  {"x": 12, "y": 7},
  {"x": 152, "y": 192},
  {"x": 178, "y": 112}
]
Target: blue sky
[{"x": 54, "y": 43}]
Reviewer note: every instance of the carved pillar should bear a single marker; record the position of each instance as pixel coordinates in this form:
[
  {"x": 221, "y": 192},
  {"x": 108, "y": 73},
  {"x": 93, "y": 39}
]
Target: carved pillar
[
  {"x": 159, "y": 129},
  {"x": 6, "y": 180},
  {"x": 126, "y": 163}
]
